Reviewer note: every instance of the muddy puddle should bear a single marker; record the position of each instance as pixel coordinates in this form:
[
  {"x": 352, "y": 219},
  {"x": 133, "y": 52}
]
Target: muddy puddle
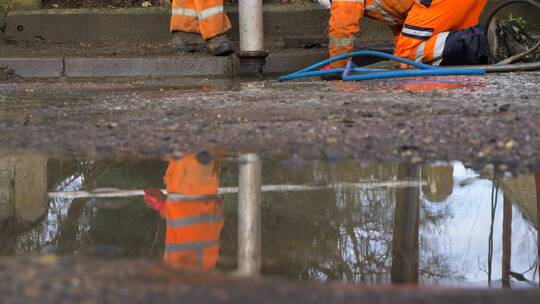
[{"x": 439, "y": 224}]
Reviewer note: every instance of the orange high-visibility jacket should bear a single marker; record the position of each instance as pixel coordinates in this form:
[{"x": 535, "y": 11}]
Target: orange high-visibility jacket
[
  {"x": 420, "y": 26},
  {"x": 193, "y": 226},
  {"x": 345, "y": 21}
]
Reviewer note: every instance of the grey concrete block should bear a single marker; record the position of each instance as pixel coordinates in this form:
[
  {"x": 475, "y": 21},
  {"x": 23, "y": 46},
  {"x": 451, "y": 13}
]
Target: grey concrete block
[
  {"x": 149, "y": 66},
  {"x": 290, "y": 61},
  {"x": 34, "y": 67}
]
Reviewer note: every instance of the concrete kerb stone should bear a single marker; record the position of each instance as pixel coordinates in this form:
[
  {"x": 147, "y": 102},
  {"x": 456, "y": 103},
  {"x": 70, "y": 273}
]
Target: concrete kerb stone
[
  {"x": 280, "y": 62},
  {"x": 149, "y": 66},
  {"x": 290, "y": 61},
  {"x": 34, "y": 67},
  {"x": 190, "y": 65}
]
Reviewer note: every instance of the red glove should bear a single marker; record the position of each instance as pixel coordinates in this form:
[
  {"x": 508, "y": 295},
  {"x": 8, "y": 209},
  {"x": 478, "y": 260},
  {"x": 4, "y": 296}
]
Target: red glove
[
  {"x": 154, "y": 199},
  {"x": 326, "y": 67}
]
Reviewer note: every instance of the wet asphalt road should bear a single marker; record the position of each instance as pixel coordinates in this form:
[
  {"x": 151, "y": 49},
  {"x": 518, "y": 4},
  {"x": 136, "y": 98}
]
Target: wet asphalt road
[
  {"x": 50, "y": 279},
  {"x": 475, "y": 119}
]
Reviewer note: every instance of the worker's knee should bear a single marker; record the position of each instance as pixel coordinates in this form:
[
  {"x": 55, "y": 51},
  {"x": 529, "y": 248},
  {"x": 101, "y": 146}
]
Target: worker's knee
[{"x": 464, "y": 47}]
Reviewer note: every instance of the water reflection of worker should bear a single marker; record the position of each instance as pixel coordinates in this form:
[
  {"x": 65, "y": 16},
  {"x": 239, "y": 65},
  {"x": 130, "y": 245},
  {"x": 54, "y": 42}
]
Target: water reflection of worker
[
  {"x": 440, "y": 182},
  {"x": 193, "y": 224}
]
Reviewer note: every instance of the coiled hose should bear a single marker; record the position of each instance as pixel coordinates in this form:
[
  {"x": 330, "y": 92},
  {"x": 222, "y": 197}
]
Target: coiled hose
[{"x": 351, "y": 73}]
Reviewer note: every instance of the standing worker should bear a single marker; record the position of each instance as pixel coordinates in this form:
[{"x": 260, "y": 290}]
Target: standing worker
[
  {"x": 195, "y": 220},
  {"x": 438, "y": 32},
  {"x": 197, "y": 24}
]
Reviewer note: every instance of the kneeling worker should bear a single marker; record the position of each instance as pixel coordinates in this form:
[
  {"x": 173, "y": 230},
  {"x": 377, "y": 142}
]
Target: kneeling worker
[
  {"x": 438, "y": 32},
  {"x": 197, "y": 24}
]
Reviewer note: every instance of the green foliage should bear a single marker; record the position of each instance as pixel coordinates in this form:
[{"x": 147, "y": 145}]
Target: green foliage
[{"x": 515, "y": 20}]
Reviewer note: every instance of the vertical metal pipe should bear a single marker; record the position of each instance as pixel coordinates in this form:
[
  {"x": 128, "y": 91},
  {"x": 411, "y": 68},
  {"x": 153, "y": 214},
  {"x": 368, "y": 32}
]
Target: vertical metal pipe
[
  {"x": 252, "y": 52},
  {"x": 251, "y": 25},
  {"x": 249, "y": 214}
]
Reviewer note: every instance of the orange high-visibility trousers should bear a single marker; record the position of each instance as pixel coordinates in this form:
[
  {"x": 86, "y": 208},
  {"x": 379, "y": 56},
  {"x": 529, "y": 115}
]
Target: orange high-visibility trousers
[
  {"x": 345, "y": 21},
  {"x": 206, "y": 17},
  {"x": 428, "y": 24},
  {"x": 193, "y": 226}
]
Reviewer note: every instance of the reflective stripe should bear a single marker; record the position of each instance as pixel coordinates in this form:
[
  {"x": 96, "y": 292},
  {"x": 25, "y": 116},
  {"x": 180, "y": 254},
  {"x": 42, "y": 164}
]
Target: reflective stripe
[
  {"x": 439, "y": 47},
  {"x": 387, "y": 17},
  {"x": 177, "y": 197},
  {"x": 420, "y": 52},
  {"x": 341, "y": 41},
  {"x": 359, "y": 1},
  {"x": 209, "y": 12},
  {"x": 188, "y": 12},
  {"x": 417, "y": 32},
  {"x": 198, "y": 246},
  {"x": 371, "y": 8},
  {"x": 191, "y": 220}
]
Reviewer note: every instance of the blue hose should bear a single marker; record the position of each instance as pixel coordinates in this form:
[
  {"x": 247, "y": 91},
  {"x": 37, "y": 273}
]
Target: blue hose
[{"x": 367, "y": 73}]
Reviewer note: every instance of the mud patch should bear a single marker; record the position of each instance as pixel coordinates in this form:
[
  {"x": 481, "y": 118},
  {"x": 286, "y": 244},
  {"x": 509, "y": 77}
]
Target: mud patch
[{"x": 7, "y": 74}]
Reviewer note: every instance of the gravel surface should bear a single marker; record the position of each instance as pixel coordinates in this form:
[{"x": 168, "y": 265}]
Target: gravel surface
[{"x": 478, "y": 120}]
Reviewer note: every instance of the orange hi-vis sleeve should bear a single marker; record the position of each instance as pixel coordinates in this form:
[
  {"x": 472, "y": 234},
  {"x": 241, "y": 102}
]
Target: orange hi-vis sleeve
[
  {"x": 429, "y": 23},
  {"x": 345, "y": 21},
  {"x": 193, "y": 227},
  {"x": 206, "y": 17}
]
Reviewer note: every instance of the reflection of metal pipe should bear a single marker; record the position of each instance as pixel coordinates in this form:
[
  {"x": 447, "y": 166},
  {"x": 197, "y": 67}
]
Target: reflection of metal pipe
[
  {"x": 252, "y": 50},
  {"x": 507, "y": 241},
  {"x": 537, "y": 180},
  {"x": 406, "y": 229},
  {"x": 249, "y": 215},
  {"x": 494, "y": 200}
]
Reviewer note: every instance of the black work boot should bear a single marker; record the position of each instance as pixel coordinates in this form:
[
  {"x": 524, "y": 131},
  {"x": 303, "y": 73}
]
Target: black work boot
[
  {"x": 220, "y": 45},
  {"x": 183, "y": 42}
]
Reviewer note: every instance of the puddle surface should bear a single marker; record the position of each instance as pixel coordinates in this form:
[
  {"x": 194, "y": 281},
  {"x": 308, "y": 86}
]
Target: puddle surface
[{"x": 342, "y": 221}]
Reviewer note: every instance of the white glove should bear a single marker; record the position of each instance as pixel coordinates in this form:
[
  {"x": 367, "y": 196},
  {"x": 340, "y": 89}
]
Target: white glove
[{"x": 325, "y": 3}]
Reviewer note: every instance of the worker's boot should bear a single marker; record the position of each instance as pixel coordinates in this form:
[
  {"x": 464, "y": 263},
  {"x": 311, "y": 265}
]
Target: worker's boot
[
  {"x": 220, "y": 45},
  {"x": 184, "y": 42},
  {"x": 509, "y": 38}
]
